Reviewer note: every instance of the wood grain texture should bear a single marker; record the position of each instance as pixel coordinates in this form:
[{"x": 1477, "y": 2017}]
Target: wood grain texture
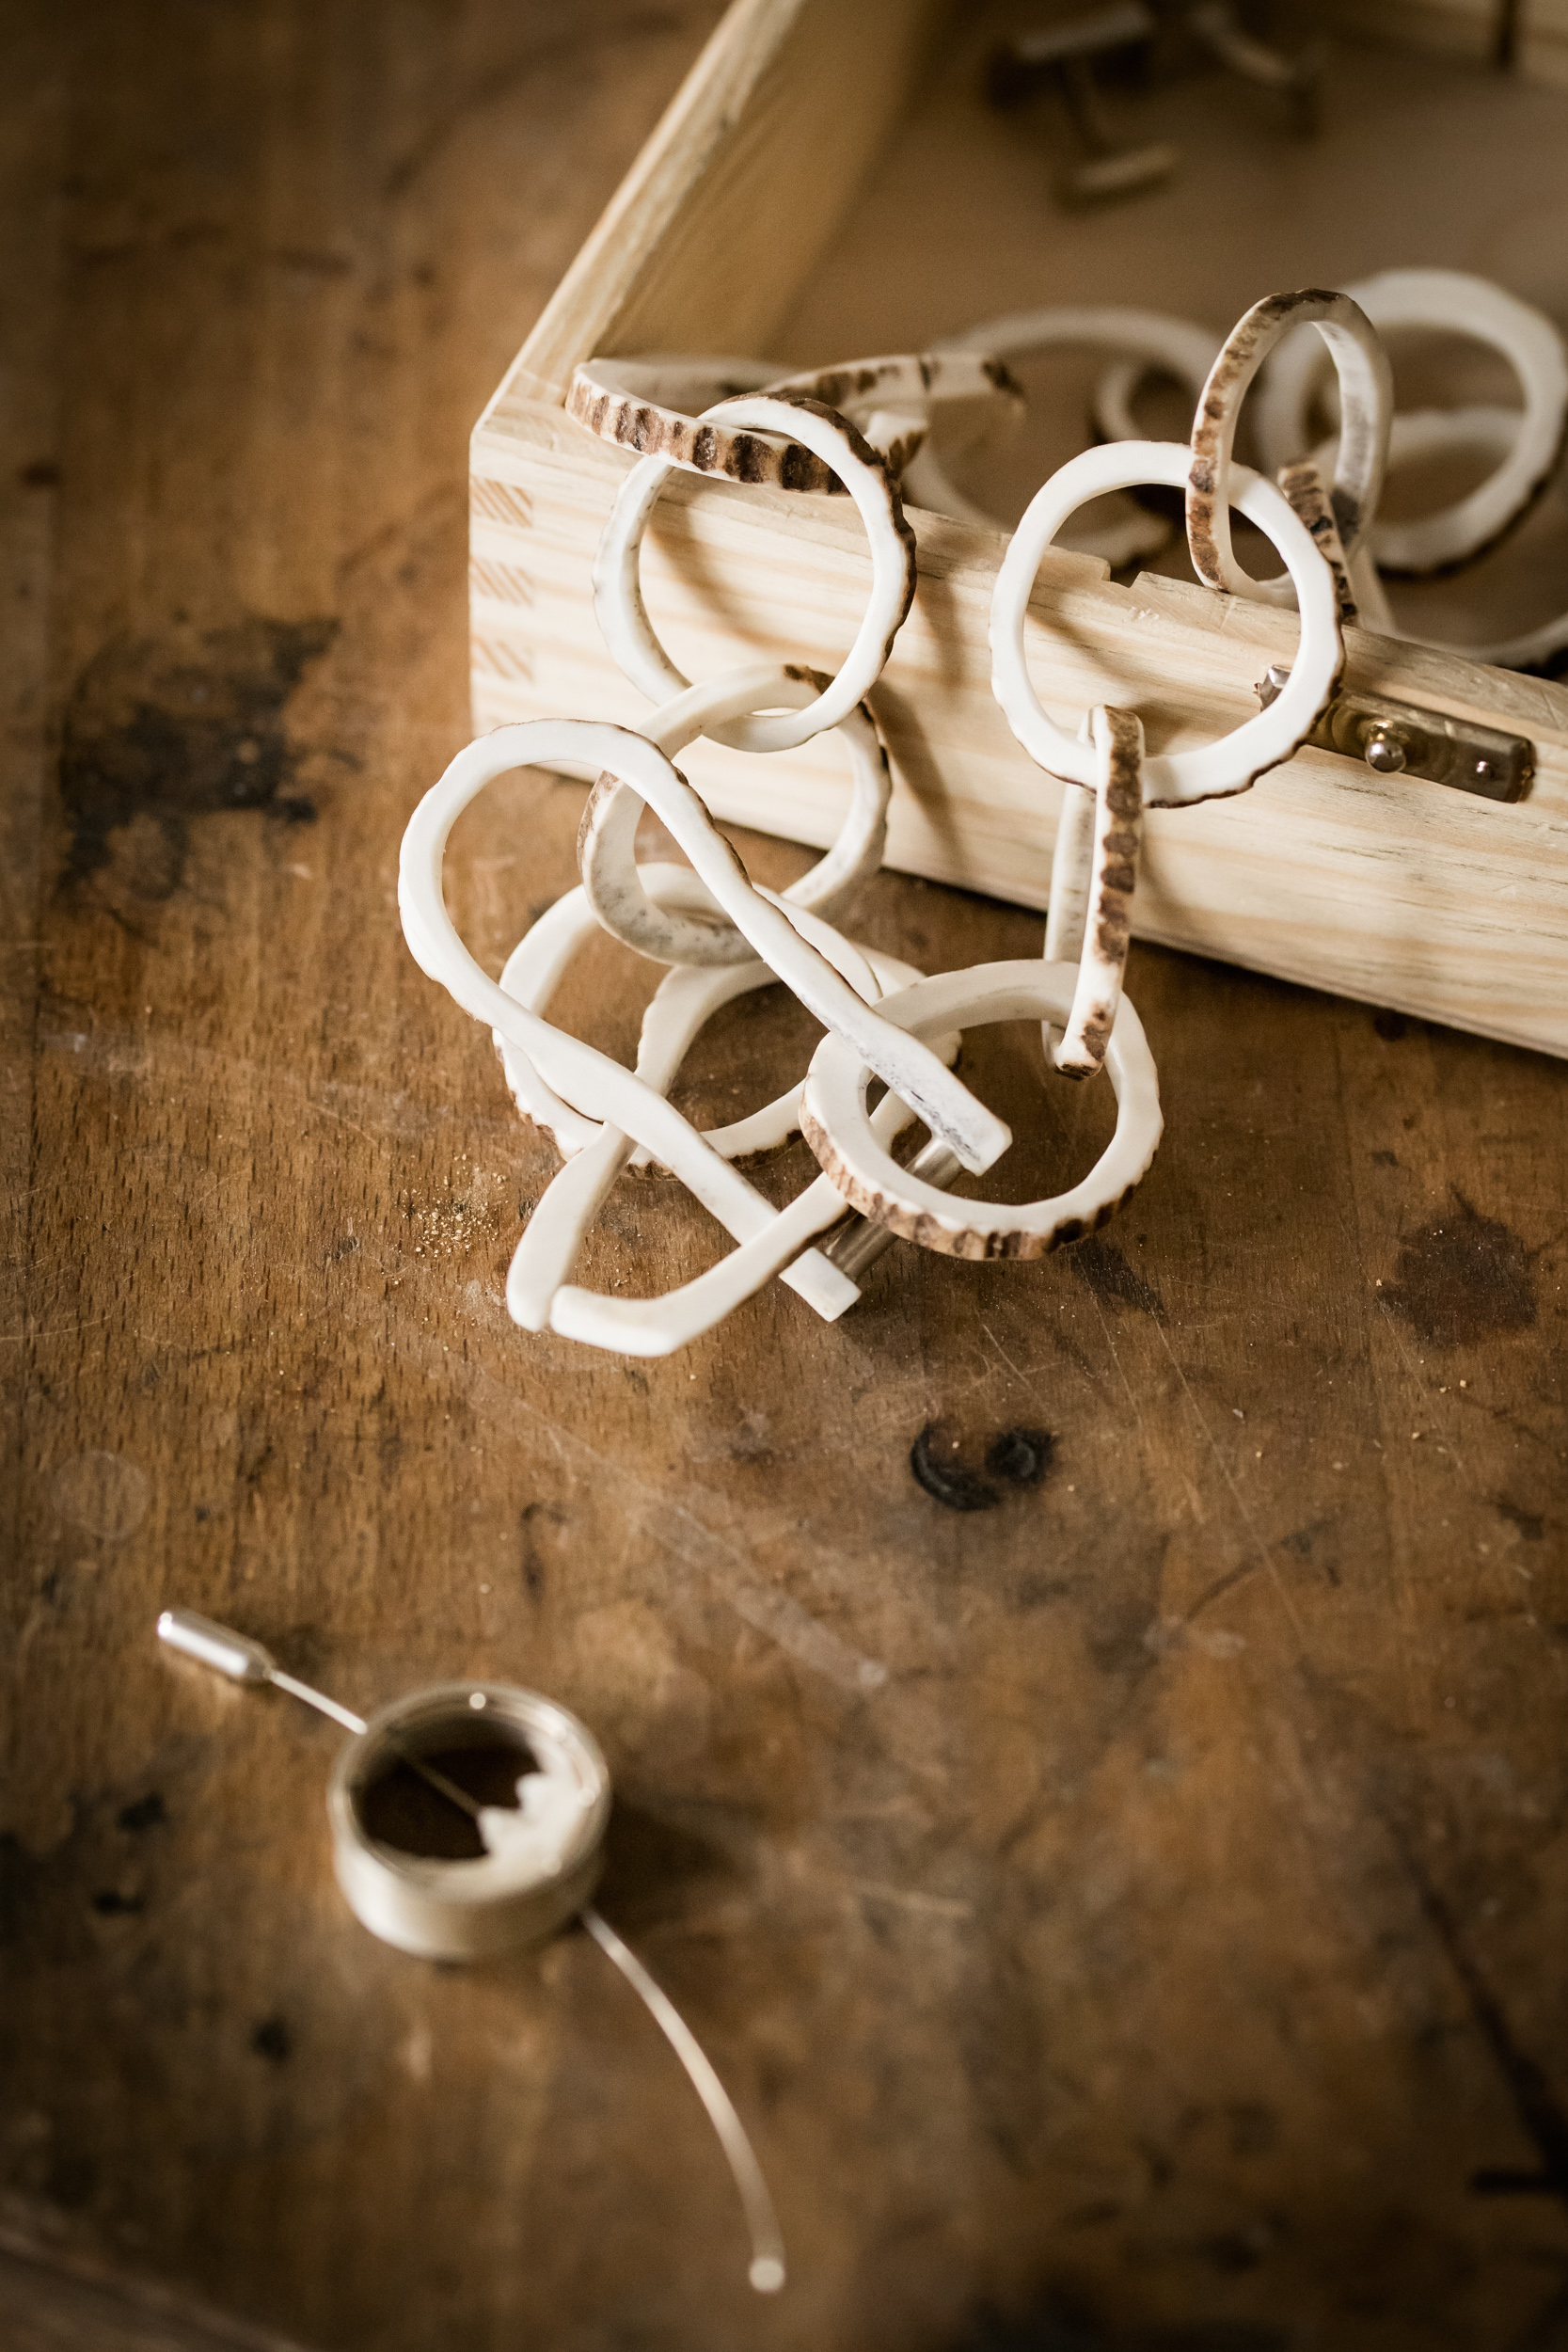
[
  {"x": 1088, "y": 1735},
  {"x": 780, "y": 114},
  {"x": 1399, "y": 893}
]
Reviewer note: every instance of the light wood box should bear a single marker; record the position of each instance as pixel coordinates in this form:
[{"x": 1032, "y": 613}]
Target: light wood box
[{"x": 826, "y": 185}]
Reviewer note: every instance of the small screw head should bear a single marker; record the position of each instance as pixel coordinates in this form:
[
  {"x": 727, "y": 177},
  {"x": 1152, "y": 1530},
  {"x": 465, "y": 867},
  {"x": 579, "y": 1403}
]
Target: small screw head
[{"x": 1384, "y": 753}]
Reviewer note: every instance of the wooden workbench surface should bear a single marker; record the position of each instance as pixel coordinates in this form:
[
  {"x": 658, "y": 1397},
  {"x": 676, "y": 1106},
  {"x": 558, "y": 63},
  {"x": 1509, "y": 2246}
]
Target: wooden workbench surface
[{"x": 1128, "y": 1914}]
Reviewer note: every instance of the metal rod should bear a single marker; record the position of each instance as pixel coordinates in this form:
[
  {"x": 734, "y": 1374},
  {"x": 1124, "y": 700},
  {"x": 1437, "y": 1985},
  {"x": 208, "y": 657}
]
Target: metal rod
[
  {"x": 859, "y": 1243},
  {"x": 244, "y": 1660},
  {"x": 766, "y": 2273}
]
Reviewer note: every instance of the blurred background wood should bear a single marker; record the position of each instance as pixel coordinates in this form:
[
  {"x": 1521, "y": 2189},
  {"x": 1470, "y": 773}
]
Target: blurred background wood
[{"x": 1129, "y": 1914}]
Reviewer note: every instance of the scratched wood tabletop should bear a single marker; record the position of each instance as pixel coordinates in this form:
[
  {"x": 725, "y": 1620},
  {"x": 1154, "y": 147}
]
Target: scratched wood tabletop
[{"x": 1088, "y": 1735}]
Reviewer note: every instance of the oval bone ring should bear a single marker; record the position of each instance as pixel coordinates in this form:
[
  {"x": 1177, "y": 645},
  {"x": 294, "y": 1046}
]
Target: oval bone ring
[
  {"x": 1451, "y": 302},
  {"x": 890, "y": 400},
  {"x": 604, "y": 1087},
  {"x": 1145, "y": 338},
  {"x": 840, "y": 1130},
  {"x": 1368, "y": 403},
  {"x": 1117, "y": 737},
  {"x": 622, "y": 616},
  {"x": 534, "y": 970},
  {"x": 1170, "y": 779},
  {"x": 538, "y": 1289},
  {"x": 646, "y": 404},
  {"x": 607, "y": 839},
  {"x": 1488, "y": 433},
  {"x": 653, "y": 406}
]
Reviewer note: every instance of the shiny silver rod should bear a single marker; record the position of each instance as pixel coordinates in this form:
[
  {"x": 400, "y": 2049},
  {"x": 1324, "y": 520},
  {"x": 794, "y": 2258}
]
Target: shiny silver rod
[
  {"x": 858, "y": 1244},
  {"x": 244, "y": 1660}
]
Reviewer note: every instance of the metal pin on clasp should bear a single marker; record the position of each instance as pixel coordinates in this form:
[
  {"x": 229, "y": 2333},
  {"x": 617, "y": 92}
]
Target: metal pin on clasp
[{"x": 1399, "y": 739}]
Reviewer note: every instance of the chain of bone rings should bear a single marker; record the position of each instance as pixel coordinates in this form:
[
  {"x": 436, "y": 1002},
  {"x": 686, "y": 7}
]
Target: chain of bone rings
[{"x": 875, "y": 431}]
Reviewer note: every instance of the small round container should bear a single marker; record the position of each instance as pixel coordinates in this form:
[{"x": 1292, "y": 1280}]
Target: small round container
[{"x": 469, "y": 1907}]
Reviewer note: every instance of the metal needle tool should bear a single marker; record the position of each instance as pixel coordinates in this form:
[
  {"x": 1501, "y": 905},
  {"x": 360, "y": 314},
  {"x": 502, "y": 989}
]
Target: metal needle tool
[{"x": 244, "y": 1660}]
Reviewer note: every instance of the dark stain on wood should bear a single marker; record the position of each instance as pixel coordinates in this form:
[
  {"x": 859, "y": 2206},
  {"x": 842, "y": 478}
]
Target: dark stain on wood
[
  {"x": 110, "y": 1903},
  {"x": 147, "y": 1812},
  {"x": 1468, "y": 1278},
  {"x": 1530, "y": 1524},
  {"x": 1020, "y": 1458},
  {"x": 1106, "y": 1270},
  {"x": 273, "y": 2041},
  {"x": 1541, "y": 2112},
  {"x": 934, "y": 1460},
  {"x": 179, "y": 727}
]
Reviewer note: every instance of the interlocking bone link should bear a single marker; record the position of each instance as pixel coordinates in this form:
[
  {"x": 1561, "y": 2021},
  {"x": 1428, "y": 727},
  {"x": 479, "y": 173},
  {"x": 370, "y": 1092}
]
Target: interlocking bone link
[
  {"x": 622, "y": 616},
  {"x": 1148, "y": 339},
  {"x": 841, "y": 1132},
  {"x": 1367, "y": 404},
  {"x": 1117, "y": 737},
  {"x": 578, "y": 1074},
  {"x": 1450, "y": 302},
  {"x": 1233, "y": 761},
  {"x": 779, "y": 934},
  {"x": 607, "y": 855},
  {"x": 1488, "y": 433},
  {"x": 534, "y": 970},
  {"x": 539, "y": 1289},
  {"x": 1304, "y": 482},
  {"x": 892, "y": 401},
  {"x": 647, "y": 405}
]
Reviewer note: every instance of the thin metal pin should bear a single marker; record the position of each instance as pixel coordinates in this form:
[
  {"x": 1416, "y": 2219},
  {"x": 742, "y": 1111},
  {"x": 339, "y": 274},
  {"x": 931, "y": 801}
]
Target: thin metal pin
[
  {"x": 861, "y": 1240},
  {"x": 244, "y": 1660},
  {"x": 766, "y": 2273}
]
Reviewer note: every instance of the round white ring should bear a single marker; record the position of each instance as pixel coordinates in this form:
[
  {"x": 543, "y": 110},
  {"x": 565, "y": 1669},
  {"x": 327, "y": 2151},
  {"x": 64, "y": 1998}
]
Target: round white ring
[
  {"x": 607, "y": 839},
  {"x": 1171, "y": 779},
  {"x": 839, "y": 1129},
  {"x": 1451, "y": 302},
  {"x": 618, "y": 594},
  {"x": 1367, "y": 401}
]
